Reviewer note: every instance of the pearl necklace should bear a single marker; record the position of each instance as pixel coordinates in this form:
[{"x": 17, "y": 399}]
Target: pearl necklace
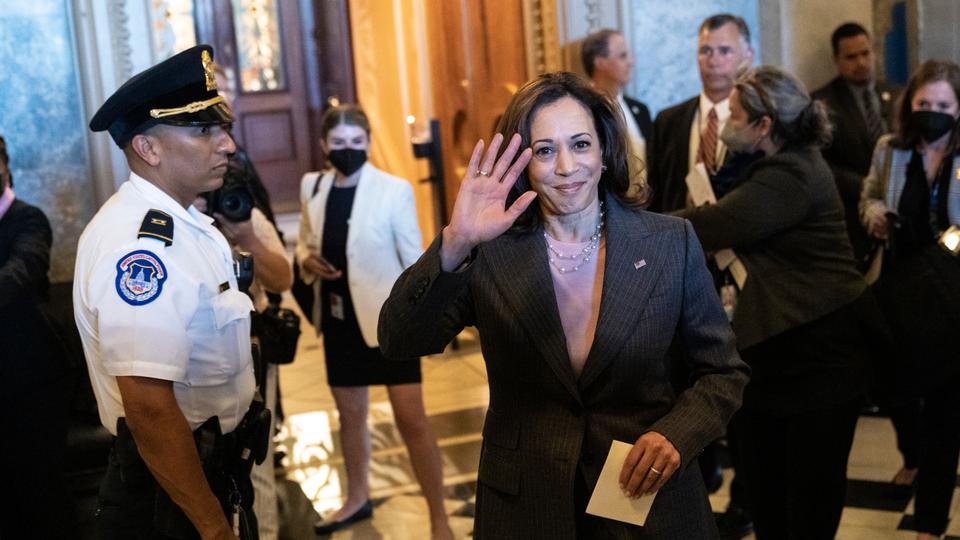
[{"x": 557, "y": 258}]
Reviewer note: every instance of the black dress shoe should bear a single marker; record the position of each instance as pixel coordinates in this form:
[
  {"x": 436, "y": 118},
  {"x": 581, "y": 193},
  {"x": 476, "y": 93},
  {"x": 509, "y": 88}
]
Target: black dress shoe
[
  {"x": 329, "y": 526},
  {"x": 735, "y": 523}
]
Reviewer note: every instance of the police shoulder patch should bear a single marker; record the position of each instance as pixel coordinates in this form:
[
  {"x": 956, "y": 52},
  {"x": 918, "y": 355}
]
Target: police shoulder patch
[{"x": 140, "y": 277}]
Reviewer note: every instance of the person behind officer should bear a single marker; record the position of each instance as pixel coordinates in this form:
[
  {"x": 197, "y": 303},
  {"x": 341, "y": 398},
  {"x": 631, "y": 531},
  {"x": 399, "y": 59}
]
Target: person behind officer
[
  {"x": 34, "y": 392},
  {"x": 164, "y": 325},
  {"x": 861, "y": 110}
]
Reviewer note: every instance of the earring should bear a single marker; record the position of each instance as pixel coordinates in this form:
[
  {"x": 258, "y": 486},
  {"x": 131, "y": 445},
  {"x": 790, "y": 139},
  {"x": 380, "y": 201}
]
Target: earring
[{"x": 603, "y": 168}]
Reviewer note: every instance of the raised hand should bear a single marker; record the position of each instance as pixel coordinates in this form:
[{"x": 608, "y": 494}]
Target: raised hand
[{"x": 478, "y": 213}]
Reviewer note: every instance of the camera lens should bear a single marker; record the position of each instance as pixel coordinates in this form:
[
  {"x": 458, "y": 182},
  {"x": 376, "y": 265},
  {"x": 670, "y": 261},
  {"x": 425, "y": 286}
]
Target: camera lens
[{"x": 236, "y": 204}]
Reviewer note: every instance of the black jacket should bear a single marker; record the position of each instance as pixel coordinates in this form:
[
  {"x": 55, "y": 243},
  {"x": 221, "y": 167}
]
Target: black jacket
[
  {"x": 641, "y": 114},
  {"x": 784, "y": 219},
  {"x": 668, "y": 149},
  {"x": 851, "y": 149},
  {"x": 30, "y": 349}
]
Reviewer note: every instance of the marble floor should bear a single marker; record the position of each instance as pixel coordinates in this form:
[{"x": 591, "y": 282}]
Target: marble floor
[{"x": 455, "y": 396}]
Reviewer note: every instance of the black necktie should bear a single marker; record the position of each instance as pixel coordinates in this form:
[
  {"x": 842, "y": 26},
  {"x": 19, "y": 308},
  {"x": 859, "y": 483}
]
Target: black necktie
[{"x": 875, "y": 124}]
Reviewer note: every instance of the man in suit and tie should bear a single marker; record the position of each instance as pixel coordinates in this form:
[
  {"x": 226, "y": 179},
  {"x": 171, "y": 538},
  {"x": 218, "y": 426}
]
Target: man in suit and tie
[
  {"x": 860, "y": 107},
  {"x": 688, "y": 133},
  {"x": 683, "y": 136},
  {"x": 609, "y": 65}
]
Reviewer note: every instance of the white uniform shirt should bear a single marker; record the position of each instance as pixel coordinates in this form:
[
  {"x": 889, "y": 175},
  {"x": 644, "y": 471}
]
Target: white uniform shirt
[{"x": 150, "y": 310}]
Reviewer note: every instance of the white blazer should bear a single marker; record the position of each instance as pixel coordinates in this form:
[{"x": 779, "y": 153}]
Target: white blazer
[{"x": 383, "y": 239}]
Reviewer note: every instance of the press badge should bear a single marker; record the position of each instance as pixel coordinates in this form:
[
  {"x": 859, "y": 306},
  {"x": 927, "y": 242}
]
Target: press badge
[{"x": 336, "y": 306}]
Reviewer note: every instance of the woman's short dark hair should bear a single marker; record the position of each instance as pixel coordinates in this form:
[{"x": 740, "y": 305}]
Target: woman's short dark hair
[
  {"x": 930, "y": 71},
  {"x": 348, "y": 114},
  {"x": 797, "y": 119},
  {"x": 549, "y": 88}
]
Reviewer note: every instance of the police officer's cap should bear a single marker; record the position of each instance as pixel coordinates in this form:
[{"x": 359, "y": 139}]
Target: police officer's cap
[{"x": 180, "y": 91}]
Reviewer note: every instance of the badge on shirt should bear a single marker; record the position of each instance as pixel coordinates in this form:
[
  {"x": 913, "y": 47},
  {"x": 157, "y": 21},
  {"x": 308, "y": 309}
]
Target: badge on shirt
[
  {"x": 140, "y": 277},
  {"x": 336, "y": 306}
]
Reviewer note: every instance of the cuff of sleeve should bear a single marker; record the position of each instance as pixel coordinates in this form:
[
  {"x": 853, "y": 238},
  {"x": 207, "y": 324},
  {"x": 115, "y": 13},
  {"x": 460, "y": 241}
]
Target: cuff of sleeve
[
  {"x": 146, "y": 369},
  {"x": 447, "y": 283},
  {"x": 685, "y": 445}
]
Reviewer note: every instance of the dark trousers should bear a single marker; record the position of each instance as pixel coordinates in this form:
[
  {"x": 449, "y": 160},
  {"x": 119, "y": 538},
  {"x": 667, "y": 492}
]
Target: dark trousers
[
  {"x": 33, "y": 434},
  {"x": 132, "y": 505},
  {"x": 906, "y": 417},
  {"x": 939, "y": 451},
  {"x": 795, "y": 470}
]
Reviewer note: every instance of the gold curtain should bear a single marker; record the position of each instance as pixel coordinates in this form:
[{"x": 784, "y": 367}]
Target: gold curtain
[{"x": 390, "y": 63}]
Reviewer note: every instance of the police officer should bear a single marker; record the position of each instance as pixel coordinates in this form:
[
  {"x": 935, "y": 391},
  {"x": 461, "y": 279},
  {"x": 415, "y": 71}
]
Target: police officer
[{"x": 165, "y": 328}]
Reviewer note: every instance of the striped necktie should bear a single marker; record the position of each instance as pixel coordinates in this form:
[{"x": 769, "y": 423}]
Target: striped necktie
[{"x": 708, "y": 143}]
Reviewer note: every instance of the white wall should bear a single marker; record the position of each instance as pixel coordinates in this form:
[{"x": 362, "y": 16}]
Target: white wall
[
  {"x": 938, "y": 22},
  {"x": 795, "y": 34}
]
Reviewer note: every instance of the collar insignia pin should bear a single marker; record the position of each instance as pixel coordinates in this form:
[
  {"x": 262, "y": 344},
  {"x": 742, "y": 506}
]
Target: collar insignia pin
[{"x": 640, "y": 264}]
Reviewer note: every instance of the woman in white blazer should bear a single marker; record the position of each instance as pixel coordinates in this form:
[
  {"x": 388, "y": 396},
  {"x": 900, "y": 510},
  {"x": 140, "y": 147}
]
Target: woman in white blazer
[{"x": 358, "y": 232}]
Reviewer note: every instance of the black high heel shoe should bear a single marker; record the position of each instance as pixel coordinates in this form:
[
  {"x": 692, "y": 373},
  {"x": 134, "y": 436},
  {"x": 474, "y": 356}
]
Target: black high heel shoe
[{"x": 325, "y": 526}]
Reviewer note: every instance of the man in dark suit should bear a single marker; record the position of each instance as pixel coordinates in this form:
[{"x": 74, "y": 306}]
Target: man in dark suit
[
  {"x": 688, "y": 133},
  {"x": 683, "y": 136},
  {"x": 860, "y": 107},
  {"x": 609, "y": 65},
  {"x": 34, "y": 373}
]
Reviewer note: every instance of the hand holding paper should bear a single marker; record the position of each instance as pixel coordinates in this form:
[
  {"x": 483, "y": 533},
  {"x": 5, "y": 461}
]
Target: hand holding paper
[
  {"x": 608, "y": 499},
  {"x": 649, "y": 464}
]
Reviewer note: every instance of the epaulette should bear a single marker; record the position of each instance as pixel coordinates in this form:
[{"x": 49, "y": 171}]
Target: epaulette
[{"x": 159, "y": 225}]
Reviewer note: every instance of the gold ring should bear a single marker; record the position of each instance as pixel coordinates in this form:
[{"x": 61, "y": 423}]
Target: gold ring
[{"x": 654, "y": 471}]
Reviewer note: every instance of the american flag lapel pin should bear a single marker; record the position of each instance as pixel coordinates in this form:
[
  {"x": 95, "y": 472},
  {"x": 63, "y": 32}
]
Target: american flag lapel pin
[{"x": 640, "y": 264}]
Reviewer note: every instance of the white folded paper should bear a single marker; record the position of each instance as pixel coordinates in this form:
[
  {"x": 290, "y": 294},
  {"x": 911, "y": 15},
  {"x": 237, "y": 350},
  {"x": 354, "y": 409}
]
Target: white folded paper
[{"x": 608, "y": 500}]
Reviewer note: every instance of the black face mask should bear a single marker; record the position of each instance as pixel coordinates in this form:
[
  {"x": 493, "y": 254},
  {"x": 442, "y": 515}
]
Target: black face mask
[
  {"x": 347, "y": 160},
  {"x": 931, "y": 125}
]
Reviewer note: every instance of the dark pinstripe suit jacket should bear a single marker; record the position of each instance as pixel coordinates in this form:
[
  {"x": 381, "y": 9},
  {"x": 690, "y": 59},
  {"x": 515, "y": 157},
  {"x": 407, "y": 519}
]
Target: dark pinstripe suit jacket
[{"x": 544, "y": 425}]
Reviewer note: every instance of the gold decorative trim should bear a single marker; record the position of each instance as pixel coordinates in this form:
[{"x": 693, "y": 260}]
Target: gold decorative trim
[
  {"x": 541, "y": 36},
  {"x": 189, "y": 108},
  {"x": 210, "y": 77}
]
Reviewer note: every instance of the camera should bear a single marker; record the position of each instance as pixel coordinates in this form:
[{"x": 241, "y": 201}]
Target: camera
[
  {"x": 233, "y": 200},
  {"x": 243, "y": 270}
]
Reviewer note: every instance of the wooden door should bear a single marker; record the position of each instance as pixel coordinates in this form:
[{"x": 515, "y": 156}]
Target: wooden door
[
  {"x": 477, "y": 66},
  {"x": 270, "y": 107}
]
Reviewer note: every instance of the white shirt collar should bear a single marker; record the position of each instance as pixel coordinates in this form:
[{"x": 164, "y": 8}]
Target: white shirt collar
[
  {"x": 632, "y": 127},
  {"x": 163, "y": 201},
  {"x": 723, "y": 108}
]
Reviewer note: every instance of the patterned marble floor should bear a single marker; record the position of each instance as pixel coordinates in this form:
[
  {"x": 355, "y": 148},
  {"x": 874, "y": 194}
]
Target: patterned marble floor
[{"x": 455, "y": 396}]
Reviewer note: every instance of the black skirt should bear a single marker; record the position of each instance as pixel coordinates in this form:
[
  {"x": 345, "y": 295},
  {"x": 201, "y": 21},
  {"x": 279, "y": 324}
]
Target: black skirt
[{"x": 350, "y": 362}]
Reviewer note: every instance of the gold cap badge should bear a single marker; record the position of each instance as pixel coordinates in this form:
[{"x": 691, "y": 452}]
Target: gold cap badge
[{"x": 208, "y": 72}]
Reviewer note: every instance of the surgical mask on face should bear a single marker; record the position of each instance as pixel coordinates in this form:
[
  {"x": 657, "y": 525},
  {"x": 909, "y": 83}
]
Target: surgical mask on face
[
  {"x": 737, "y": 141},
  {"x": 930, "y": 125},
  {"x": 347, "y": 160}
]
